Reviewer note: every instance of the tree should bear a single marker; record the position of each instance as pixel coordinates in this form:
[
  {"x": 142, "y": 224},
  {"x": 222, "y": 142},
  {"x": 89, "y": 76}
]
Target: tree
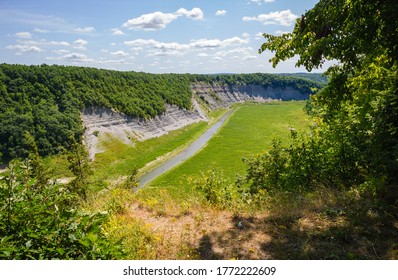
[
  {"x": 79, "y": 164},
  {"x": 356, "y": 114}
]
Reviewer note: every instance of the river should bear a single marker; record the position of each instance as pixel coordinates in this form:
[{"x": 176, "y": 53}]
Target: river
[{"x": 185, "y": 154}]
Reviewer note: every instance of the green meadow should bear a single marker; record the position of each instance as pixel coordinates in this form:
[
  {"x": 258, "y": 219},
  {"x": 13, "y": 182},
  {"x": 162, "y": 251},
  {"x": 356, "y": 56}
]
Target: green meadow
[{"x": 248, "y": 131}]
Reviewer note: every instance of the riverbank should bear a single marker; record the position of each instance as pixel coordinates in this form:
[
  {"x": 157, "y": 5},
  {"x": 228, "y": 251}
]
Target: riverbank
[{"x": 185, "y": 154}]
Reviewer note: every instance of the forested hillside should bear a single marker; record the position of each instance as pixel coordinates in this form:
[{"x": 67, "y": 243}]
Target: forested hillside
[
  {"x": 45, "y": 101},
  {"x": 296, "y": 81}
]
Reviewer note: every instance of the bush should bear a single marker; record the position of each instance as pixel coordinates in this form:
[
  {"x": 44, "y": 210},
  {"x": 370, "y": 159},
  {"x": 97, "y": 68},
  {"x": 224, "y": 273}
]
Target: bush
[{"x": 43, "y": 221}]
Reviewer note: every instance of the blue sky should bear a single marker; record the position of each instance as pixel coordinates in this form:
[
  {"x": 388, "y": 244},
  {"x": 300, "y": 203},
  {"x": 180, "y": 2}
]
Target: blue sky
[{"x": 157, "y": 36}]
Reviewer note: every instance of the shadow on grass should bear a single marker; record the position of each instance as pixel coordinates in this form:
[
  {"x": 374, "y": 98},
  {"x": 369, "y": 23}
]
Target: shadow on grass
[{"x": 350, "y": 231}]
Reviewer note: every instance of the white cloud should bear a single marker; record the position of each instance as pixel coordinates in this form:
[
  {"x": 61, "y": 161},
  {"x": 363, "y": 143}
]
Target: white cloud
[
  {"x": 116, "y": 31},
  {"x": 195, "y": 13},
  {"x": 150, "y": 22},
  {"x": 24, "y": 49},
  {"x": 216, "y": 43},
  {"x": 62, "y": 51},
  {"x": 259, "y": 36},
  {"x": 249, "y": 57},
  {"x": 44, "y": 42},
  {"x": 158, "y": 20},
  {"x": 120, "y": 54},
  {"x": 177, "y": 48},
  {"x": 87, "y": 29},
  {"x": 202, "y": 55},
  {"x": 58, "y": 43},
  {"x": 79, "y": 57},
  {"x": 260, "y": 1},
  {"x": 23, "y": 35},
  {"x": 280, "y": 32},
  {"x": 284, "y": 18},
  {"x": 238, "y": 52},
  {"x": 38, "y": 30},
  {"x": 32, "y": 46},
  {"x": 140, "y": 42},
  {"x": 80, "y": 44},
  {"x": 221, "y": 13},
  {"x": 206, "y": 43}
]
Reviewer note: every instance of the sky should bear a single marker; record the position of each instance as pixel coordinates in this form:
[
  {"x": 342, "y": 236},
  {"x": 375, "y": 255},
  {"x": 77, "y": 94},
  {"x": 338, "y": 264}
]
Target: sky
[{"x": 155, "y": 36}]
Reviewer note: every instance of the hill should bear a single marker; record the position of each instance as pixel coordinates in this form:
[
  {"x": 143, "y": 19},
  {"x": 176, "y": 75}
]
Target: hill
[{"x": 46, "y": 101}]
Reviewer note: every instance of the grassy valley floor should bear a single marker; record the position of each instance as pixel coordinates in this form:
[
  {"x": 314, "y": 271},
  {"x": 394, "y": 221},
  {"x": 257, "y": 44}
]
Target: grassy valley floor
[
  {"x": 170, "y": 219},
  {"x": 248, "y": 132}
]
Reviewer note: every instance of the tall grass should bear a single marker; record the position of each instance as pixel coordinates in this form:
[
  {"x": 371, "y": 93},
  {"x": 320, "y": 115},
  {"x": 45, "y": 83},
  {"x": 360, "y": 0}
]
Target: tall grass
[{"x": 249, "y": 131}]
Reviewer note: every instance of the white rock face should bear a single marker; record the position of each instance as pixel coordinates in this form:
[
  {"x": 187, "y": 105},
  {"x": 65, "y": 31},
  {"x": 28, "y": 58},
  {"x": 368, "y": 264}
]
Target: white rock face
[
  {"x": 99, "y": 122},
  {"x": 220, "y": 95}
]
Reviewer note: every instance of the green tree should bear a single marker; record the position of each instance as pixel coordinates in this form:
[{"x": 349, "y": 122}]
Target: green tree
[
  {"x": 356, "y": 114},
  {"x": 79, "y": 164}
]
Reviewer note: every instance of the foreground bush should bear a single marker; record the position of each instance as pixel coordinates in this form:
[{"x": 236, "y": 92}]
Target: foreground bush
[{"x": 42, "y": 220}]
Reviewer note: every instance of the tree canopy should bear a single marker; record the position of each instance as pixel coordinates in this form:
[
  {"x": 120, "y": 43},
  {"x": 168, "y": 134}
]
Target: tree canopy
[
  {"x": 45, "y": 101},
  {"x": 354, "y": 140}
]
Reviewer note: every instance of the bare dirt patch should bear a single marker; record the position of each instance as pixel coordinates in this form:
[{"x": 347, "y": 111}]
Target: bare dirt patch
[
  {"x": 335, "y": 231},
  {"x": 205, "y": 233}
]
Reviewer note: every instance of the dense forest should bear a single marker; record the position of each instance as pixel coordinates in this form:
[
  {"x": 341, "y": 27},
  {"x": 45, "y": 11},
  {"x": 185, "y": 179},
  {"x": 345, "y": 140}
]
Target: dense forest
[{"x": 45, "y": 101}]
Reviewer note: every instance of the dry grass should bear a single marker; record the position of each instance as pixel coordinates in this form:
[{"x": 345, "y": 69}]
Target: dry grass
[
  {"x": 325, "y": 224},
  {"x": 321, "y": 225}
]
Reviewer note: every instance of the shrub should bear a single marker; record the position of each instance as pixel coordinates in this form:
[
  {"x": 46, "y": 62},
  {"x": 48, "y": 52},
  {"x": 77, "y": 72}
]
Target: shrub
[{"x": 43, "y": 221}]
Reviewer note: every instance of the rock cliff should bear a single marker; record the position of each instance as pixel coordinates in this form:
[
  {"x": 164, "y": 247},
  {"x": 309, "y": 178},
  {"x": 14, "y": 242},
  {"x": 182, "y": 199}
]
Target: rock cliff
[
  {"x": 100, "y": 122},
  {"x": 221, "y": 95}
]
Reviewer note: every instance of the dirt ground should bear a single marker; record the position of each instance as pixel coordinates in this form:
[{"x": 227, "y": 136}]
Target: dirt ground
[{"x": 204, "y": 232}]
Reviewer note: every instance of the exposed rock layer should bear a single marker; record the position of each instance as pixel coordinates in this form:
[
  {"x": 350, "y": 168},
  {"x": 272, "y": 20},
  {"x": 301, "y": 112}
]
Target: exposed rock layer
[
  {"x": 218, "y": 95},
  {"x": 99, "y": 122},
  {"x": 102, "y": 121}
]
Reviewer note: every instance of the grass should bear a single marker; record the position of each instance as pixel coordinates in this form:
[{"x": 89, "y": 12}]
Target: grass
[
  {"x": 172, "y": 220},
  {"x": 249, "y": 131},
  {"x": 119, "y": 159}
]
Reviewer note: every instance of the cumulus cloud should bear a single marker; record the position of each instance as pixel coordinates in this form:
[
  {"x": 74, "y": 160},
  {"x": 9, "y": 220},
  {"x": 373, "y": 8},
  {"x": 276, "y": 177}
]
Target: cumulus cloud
[
  {"x": 194, "y": 44},
  {"x": 87, "y": 29},
  {"x": 24, "y": 49},
  {"x": 284, "y": 18},
  {"x": 259, "y": 2},
  {"x": 80, "y": 44},
  {"x": 78, "y": 57},
  {"x": 237, "y": 52},
  {"x": 39, "y": 30},
  {"x": 217, "y": 43},
  {"x": 35, "y": 46},
  {"x": 23, "y": 35},
  {"x": 259, "y": 36},
  {"x": 157, "y": 48},
  {"x": 62, "y": 51},
  {"x": 281, "y": 32},
  {"x": 158, "y": 20},
  {"x": 58, "y": 43},
  {"x": 202, "y": 55},
  {"x": 249, "y": 57},
  {"x": 119, "y": 53},
  {"x": 116, "y": 31},
  {"x": 221, "y": 13},
  {"x": 195, "y": 13}
]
